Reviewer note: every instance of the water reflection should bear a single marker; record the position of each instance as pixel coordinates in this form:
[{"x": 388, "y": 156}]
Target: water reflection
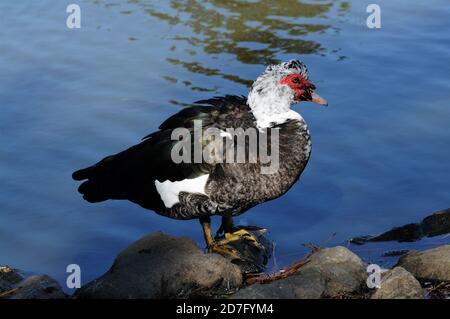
[{"x": 253, "y": 32}]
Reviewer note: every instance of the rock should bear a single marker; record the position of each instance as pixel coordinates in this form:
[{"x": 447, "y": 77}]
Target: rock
[
  {"x": 38, "y": 287},
  {"x": 433, "y": 225},
  {"x": 437, "y": 224},
  {"x": 398, "y": 283},
  {"x": 309, "y": 285},
  {"x": 161, "y": 266},
  {"x": 343, "y": 270},
  {"x": 395, "y": 253},
  {"x": 406, "y": 233},
  {"x": 8, "y": 278},
  {"x": 13, "y": 286},
  {"x": 329, "y": 273},
  {"x": 428, "y": 265}
]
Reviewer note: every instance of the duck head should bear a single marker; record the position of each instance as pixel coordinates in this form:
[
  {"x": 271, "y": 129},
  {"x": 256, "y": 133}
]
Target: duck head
[{"x": 279, "y": 87}]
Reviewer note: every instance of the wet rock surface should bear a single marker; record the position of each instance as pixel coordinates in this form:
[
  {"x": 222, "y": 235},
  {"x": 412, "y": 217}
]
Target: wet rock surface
[
  {"x": 13, "y": 286},
  {"x": 437, "y": 224},
  {"x": 433, "y": 225},
  {"x": 310, "y": 285},
  {"x": 37, "y": 287},
  {"x": 328, "y": 273},
  {"x": 8, "y": 278},
  {"x": 398, "y": 283},
  {"x": 162, "y": 266},
  {"x": 428, "y": 265}
]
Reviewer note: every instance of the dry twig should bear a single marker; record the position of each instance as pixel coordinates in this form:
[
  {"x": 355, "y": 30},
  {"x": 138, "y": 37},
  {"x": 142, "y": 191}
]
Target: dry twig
[
  {"x": 8, "y": 293},
  {"x": 284, "y": 273}
]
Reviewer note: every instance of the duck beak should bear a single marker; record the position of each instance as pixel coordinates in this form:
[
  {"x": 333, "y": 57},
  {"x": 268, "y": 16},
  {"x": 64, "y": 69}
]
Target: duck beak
[{"x": 316, "y": 98}]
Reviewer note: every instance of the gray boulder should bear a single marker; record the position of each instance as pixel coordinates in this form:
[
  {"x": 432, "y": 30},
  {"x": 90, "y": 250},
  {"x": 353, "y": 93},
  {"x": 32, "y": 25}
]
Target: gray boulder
[
  {"x": 428, "y": 265},
  {"x": 398, "y": 283},
  {"x": 8, "y": 278},
  {"x": 161, "y": 266},
  {"x": 38, "y": 287},
  {"x": 330, "y": 272},
  {"x": 309, "y": 285}
]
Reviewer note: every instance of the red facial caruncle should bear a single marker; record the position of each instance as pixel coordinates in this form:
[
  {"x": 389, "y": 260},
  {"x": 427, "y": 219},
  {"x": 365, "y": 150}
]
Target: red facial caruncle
[{"x": 303, "y": 89}]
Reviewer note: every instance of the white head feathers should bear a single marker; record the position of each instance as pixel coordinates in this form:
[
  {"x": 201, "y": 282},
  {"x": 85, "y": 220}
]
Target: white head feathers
[{"x": 270, "y": 101}]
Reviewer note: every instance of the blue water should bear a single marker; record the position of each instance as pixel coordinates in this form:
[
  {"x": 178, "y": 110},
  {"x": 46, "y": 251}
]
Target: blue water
[{"x": 70, "y": 97}]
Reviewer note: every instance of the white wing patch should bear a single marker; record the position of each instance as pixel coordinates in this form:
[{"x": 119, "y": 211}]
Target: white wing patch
[
  {"x": 267, "y": 119},
  {"x": 169, "y": 191}
]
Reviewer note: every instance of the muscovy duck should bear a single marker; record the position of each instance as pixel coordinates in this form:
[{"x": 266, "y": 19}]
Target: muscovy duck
[{"x": 146, "y": 173}]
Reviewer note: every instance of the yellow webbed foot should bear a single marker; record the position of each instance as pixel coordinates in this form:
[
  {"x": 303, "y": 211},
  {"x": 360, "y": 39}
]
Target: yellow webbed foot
[
  {"x": 241, "y": 234},
  {"x": 244, "y": 246}
]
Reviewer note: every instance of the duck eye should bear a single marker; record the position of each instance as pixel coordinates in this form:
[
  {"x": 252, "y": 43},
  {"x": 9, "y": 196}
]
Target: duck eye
[{"x": 295, "y": 80}]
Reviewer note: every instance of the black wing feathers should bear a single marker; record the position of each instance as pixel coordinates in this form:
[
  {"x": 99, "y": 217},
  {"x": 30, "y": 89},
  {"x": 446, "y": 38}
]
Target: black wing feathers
[{"x": 131, "y": 174}]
